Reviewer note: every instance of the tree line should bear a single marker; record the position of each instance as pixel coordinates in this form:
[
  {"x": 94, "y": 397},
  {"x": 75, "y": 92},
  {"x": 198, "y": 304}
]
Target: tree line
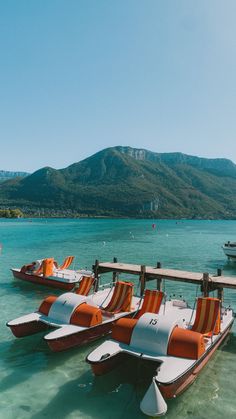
[{"x": 11, "y": 213}]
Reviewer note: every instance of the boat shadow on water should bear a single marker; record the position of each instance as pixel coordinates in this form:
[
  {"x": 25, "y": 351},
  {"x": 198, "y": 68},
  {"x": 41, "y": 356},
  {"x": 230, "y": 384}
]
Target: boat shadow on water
[
  {"x": 117, "y": 394},
  {"x": 30, "y": 356}
]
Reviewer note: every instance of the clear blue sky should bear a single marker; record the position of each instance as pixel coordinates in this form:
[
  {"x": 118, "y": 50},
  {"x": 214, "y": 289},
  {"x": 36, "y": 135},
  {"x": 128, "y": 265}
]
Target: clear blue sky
[{"x": 77, "y": 76}]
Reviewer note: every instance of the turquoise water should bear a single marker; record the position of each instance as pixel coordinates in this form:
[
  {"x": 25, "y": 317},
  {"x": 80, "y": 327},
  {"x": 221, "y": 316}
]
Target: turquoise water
[{"x": 36, "y": 383}]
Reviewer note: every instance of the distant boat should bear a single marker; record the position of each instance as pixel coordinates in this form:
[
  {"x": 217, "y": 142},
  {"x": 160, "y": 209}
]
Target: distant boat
[
  {"x": 47, "y": 272},
  {"x": 229, "y": 250}
]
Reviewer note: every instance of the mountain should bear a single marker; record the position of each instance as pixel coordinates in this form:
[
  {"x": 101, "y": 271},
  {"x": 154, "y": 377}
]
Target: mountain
[
  {"x": 5, "y": 175},
  {"x": 123, "y": 181}
]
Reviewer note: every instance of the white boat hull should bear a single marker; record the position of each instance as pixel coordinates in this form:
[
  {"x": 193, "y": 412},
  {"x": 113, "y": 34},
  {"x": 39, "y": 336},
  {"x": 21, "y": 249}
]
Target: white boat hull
[{"x": 229, "y": 250}]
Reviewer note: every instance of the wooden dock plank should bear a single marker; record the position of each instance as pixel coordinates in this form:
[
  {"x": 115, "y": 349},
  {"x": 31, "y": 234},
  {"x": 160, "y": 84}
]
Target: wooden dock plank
[
  {"x": 119, "y": 267},
  {"x": 224, "y": 281},
  {"x": 169, "y": 274}
]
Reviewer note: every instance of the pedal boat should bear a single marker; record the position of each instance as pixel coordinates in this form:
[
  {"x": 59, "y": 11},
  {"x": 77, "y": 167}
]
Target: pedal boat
[
  {"x": 76, "y": 317},
  {"x": 180, "y": 340},
  {"x": 50, "y": 274}
]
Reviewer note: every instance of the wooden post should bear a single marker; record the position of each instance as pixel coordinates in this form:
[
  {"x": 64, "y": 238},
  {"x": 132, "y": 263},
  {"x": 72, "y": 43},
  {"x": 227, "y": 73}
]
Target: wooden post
[
  {"x": 96, "y": 276},
  {"x": 205, "y": 281},
  {"x": 114, "y": 275},
  {"x": 159, "y": 280},
  {"x": 220, "y": 291},
  {"x": 142, "y": 279}
]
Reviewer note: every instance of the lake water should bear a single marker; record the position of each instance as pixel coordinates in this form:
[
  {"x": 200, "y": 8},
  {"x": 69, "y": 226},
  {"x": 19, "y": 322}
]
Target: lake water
[{"x": 36, "y": 383}]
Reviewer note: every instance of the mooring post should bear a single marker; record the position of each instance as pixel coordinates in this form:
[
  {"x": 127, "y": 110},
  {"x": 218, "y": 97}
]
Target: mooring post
[
  {"x": 142, "y": 279},
  {"x": 114, "y": 275},
  {"x": 220, "y": 291},
  {"x": 205, "y": 281},
  {"x": 96, "y": 275},
  {"x": 159, "y": 280}
]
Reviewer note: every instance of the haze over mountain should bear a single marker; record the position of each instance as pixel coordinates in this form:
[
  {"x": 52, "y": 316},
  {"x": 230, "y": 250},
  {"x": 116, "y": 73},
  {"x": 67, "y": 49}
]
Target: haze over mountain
[
  {"x": 5, "y": 175},
  {"x": 123, "y": 181}
]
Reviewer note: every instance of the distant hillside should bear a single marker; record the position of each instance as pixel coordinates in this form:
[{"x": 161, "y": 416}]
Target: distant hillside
[
  {"x": 122, "y": 181},
  {"x": 5, "y": 175}
]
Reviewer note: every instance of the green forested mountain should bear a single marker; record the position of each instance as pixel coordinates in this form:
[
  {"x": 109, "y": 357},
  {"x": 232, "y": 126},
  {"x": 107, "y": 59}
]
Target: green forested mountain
[{"x": 122, "y": 181}]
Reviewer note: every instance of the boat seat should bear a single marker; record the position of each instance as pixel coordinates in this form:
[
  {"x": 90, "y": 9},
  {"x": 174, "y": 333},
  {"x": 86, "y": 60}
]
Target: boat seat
[
  {"x": 207, "y": 319},
  {"x": 121, "y": 299},
  {"x": 151, "y": 302},
  {"x": 85, "y": 285},
  {"x": 86, "y": 315},
  {"x": 122, "y": 330},
  {"x": 47, "y": 266},
  {"x": 46, "y": 304},
  {"x": 184, "y": 343},
  {"x": 67, "y": 262},
  {"x": 189, "y": 343}
]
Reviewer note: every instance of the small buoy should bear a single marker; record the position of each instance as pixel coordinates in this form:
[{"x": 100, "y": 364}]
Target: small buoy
[{"x": 153, "y": 403}]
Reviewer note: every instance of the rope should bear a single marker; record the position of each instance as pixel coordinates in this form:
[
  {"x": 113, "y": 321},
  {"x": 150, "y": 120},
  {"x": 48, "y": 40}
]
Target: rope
[
  {"x": 138, "y": 308},
  {"x": 190, "y": 321},
  {"x": 107, "y": 296},
  {"x": 165, "y": 296},
  {"x": 138, "y": 287}
]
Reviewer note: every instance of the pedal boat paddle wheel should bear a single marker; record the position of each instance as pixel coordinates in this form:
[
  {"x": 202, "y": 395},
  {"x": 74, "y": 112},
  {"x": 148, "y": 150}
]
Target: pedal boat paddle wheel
[
  {"x": 179, "y": 339},
  {"x": 78, "y": 317},
  {"x": 47, "y": 272}
]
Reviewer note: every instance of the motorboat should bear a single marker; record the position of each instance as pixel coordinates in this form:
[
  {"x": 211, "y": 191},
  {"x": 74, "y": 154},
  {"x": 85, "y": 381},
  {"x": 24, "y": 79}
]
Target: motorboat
[
  {"x": 78, "y": 318},
  {"x": 47, "y": 272},
  {"x": 229, "y": 249},
  {"x": 179, "y": 340}
]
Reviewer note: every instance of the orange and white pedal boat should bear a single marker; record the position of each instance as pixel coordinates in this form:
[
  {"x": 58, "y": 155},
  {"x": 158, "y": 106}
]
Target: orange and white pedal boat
[
  {"x": 180, "y": 340},
  {"x": 47, "y": 272},
  {"x": 78, "y": 317}
]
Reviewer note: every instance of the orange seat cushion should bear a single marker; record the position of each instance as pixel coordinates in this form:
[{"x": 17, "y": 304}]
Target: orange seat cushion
[
  {"x": 122, "y": 330},
  {"x": 185, "y": 343},
  {"x": 46, "y": 304},
  {"x": 86, "y": 316}
]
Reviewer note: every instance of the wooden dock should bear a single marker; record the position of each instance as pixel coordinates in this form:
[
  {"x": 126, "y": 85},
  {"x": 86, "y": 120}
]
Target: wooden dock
[{"x": 207, "y": 282}]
